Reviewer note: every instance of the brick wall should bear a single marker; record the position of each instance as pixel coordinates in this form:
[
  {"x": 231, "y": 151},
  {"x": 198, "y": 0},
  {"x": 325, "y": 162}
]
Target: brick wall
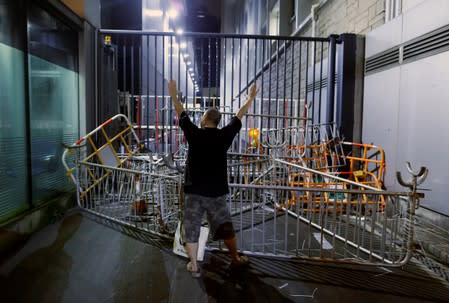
[{"x": 349, "y": 16}]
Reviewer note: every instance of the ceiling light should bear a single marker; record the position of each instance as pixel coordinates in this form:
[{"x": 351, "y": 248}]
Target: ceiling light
[
  {"x": 188, "y": 62},
  {"x": 191, "y": 69},
  {"x": 153, "y": 13},
  {"x": 185, "y": 56},
  {"x": 183, "y": 45},
  {"x": 200, "y": 16},
  {"x": 180, "y": 31}
]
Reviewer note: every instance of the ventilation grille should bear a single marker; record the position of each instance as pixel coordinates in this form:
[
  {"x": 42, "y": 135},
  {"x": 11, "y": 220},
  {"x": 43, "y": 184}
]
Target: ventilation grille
[
  {"x": 320, "y": 84},
  {"x": 424, "y": 46},
  {"x": 427, "y": 45},
  {"x": 382, "y": 61}
]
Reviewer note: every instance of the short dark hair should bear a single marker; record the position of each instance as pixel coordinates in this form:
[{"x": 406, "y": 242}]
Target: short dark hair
[{"x": 213, "y": 115}]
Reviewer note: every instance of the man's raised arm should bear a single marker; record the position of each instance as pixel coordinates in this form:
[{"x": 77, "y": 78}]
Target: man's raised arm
[
  {"x": 173, "y": 91},
  {"x": 252, "y": 94}
]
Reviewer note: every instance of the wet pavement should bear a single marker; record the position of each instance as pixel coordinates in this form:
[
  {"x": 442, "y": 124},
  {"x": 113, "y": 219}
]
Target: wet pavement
[{"x": 84, "y": 258}]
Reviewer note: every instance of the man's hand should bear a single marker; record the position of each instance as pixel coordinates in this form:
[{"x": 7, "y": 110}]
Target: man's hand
[
  {"x": 252, "y": 91},
  {"x": 252, "y": 95},
  {"x": 173, "y": 92},
  {"x": 172, "y": 89}
]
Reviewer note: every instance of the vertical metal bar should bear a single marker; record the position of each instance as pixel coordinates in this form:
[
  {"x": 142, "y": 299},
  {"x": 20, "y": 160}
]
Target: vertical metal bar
[
  {"x": 240, "y": 75},
  {"x": 285, "y": 107},
  {"x": 321, "y": 220},
  {"x": 186, "y": 93},
  {"x": 217, "y": 79},
  {"x": 310, "y": 204},
  {"x": 269, "y": 85},
  {"x": 232, "y": 73},
  {"x": 224, "y": 73},
  {"x": 262, "y": 87},
  {"x": 321, "y": 79},
  {"x": 155, "y": 91},
  {"x": 264, "y": 205},
  {"x": 299, "y": 85},
  {"x": 162, "y": 101},
  {"x": 147, "y": 82},
  {"x": 330, "y": 79},
  {"x": 297, "y": 203},
  {"x": 194, "y": 73},
  {"x": 306, "y": 80},
  {"x": 314, "y": 82},
  {"x": 247, "y": 85},
  {"x": 209, "y": 82},
  {"x": 201, "y": 72},
  {"x": 240, "y": 91},
  {"x": 140, "y": 89},
  {"x": 274, "y": 220},
  {"x": 292, "y": 64},
  {"x": 172, "y": 129},
  {"x": 285, "y": 198},
  {"x": 132, "y": 79},
  {"x": 124, "y": 63},
  {"x": 277, "y": 126},
  {"x": 255, "y": 124},
  {"x": 253, "y": 197},
  {"x": 165, "y": 109},
  {"x": 242, "y": 234}
]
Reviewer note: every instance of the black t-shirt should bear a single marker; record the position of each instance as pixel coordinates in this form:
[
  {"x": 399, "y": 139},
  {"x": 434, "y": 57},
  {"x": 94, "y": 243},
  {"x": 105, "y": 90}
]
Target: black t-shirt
[{"x": 206, "y": 166}]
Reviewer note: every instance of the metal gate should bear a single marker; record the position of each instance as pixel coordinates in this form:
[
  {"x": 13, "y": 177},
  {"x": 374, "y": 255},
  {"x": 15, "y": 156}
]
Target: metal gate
[{"x": 296, "y": 191}]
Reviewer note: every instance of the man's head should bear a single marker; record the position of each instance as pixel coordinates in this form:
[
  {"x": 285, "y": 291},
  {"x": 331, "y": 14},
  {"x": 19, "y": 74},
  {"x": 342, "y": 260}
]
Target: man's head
[{"x": 211, "y": 118}]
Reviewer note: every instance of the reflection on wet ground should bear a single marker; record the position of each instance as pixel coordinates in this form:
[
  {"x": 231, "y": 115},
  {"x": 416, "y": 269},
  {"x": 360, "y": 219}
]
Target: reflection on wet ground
[{"x": 87, "y": 259}]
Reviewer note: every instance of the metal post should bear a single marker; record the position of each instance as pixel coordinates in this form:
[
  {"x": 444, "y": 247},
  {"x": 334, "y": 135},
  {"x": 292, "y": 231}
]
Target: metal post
[{"x": 331, "y": 79}]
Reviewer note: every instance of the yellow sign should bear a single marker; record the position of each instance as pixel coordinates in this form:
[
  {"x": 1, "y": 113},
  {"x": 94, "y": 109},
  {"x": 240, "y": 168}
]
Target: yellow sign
[{"x": 107, "y": 40}]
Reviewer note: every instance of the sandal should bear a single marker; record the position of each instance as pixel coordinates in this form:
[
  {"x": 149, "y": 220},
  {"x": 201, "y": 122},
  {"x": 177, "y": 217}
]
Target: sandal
[
  {"x": 195, "y": 274},
  {"x": 242, "y": 262}
]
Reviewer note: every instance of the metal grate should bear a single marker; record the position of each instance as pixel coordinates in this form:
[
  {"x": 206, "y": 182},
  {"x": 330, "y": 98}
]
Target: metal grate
[
  {"x": 384, "y": 60},
  {"x": 427, "y": 45}
]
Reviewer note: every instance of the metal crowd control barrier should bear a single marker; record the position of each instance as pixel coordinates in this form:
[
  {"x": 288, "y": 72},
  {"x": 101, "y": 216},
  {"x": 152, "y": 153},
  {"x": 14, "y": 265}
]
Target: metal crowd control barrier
[
  {"x": 324, "y": 217},
  {"x": 294, "y": 191},
  {"x": 339, "y": 221},
  {"x": 116, "y": 181}
]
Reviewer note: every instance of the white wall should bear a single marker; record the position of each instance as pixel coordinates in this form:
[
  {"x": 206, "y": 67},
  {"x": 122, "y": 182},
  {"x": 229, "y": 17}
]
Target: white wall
[{"x": 406, "y": 107}]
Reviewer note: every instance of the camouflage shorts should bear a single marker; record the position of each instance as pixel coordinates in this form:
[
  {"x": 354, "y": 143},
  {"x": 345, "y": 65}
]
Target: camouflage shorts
[{"x": 218, "y": 217}]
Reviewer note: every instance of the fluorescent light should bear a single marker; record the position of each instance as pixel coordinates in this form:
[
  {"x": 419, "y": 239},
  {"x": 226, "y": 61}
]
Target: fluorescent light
[
  {"x": 172, "y": 13},
  {"x": 153, "y": 13},
  {"x": 180, "y": 31},
  {"x": 200, "y": 16},
  {"x": 191, "y": 69},
  {"x": 183, "y": 45},
  {"x": 185, "y": 56},
  {"x": 188, "y": 62}
]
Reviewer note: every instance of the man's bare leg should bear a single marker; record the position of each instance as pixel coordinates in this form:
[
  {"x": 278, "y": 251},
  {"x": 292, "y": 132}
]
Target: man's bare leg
[
  {"x": 231, "y": 244},
  {"x": 192, "y": 251}
]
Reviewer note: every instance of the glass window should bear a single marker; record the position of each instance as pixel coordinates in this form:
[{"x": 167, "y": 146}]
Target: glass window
[
  {"x": 13, "y": 168},
  {"x": 274, "y": 20},
  {"x": 302, "y": 10},
  {"x": 53, "y": 94}
]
